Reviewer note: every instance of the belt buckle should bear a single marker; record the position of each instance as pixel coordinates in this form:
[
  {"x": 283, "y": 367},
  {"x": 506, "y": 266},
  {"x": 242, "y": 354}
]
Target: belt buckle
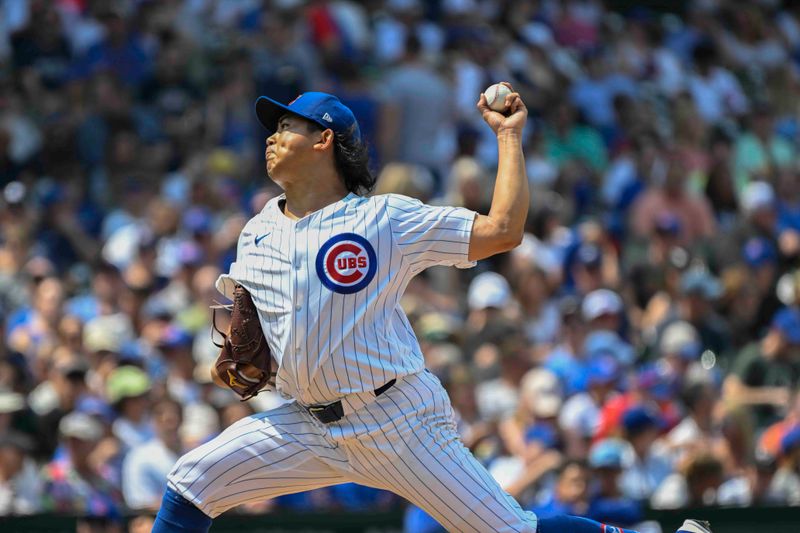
[{"x": 326, "y": 414}]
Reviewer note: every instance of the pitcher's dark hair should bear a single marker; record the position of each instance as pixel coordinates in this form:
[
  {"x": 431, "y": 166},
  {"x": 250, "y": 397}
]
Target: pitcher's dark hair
[{"x": 351, "y": 158}]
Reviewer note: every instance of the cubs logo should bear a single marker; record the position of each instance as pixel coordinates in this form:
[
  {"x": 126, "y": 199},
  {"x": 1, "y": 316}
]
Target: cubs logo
[
  {"x": 610, "y": 529},
  {"x": 346, "y": 263}
]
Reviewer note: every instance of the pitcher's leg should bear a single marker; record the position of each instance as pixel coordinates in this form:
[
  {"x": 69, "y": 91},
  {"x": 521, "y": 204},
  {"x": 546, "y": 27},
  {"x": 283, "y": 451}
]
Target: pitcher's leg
[
  {"x": 260, "y": 457},
  {"x": 574, "y": 524},
  {"x": 179, "y": 515},
  {"x": 414, "y": 446}
]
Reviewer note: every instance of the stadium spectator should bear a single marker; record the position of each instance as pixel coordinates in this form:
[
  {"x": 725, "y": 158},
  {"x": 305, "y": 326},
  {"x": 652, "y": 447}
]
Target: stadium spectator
[
  {"x": 145, "y": 469},
  {"x": 658, "y": 268},
  {"x": 72, "y": 483},
  {"x": 20, "y": 485},
  {"x": 570, "y": 494},
  {"x": 649, "y": 467},
  {"x": 765, "y": 372},
  {"x": 607, "y": 459},
  {"x": 127, "y": 391}
]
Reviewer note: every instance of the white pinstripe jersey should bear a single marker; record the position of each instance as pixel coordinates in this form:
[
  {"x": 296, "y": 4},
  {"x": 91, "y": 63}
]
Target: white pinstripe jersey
[{"x": 328, "y": 287}]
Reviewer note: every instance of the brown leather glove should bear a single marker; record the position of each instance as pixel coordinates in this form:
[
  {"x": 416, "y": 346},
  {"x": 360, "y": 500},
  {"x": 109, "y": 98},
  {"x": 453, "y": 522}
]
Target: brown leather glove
[{"x": 245, "y": 360}]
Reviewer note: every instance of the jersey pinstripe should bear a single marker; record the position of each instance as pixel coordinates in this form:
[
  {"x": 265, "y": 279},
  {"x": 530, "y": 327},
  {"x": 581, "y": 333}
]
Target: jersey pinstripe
[{"x": 328, "y": 287}]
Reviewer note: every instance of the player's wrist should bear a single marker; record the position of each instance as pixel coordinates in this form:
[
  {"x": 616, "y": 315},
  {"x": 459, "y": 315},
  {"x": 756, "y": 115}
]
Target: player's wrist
[{"x": 510, "y": 135}]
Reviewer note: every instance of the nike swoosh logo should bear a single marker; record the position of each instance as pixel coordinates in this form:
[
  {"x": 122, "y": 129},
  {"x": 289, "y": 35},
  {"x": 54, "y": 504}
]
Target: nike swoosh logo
[{"x": 261, "y": 237}]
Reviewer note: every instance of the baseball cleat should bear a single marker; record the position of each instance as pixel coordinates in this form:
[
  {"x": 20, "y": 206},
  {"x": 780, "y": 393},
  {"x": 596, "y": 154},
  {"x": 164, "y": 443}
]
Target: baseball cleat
[{"x": 695, "y": 526}]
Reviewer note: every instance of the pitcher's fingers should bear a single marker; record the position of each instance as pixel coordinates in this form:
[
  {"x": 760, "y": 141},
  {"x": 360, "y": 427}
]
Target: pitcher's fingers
[{"x": 517, "y": 105}]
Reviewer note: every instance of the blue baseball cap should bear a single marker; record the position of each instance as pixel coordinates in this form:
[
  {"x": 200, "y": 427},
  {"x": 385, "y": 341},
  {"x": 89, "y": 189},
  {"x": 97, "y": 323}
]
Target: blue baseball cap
[
  {"x": 544, "y": 434},
  {"x": 589, "y": 255},
  {"x": 668, "y": 223},
  {"x": 787, "y": 321},
  {"x": 94, "y": 405},
  {"x": 602, "y": 370},
  {"x": 759, "y": 251},
  {"x": 640, "y": 418},
  {"x": 321, "y": 108},
  {"x": 605, "y": 342},
  {"x": 608, "y": 453},
  {"x": 657, "y": 380},
  {"x": 790, "y": 440},
  {"x": 700, "y": 282},
  {"x": 175, "y": 337}
]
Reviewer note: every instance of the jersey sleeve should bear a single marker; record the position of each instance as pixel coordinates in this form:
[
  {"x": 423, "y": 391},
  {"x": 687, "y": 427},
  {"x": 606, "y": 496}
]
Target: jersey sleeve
[{"x": 430, "y": 235}]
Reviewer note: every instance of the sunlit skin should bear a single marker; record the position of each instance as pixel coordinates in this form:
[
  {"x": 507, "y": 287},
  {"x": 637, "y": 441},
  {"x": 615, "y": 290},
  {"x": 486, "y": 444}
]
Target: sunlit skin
[{"x": 299, "y": 158}]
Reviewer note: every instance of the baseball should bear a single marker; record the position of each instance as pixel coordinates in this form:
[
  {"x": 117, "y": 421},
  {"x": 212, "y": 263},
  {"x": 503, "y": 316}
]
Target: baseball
[{"x": 496, "y": 97}]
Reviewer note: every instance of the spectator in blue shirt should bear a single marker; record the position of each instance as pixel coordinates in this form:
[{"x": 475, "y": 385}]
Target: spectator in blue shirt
[
  {"x": 569, "y": 496},
  {"x": 607, "y": 459}
]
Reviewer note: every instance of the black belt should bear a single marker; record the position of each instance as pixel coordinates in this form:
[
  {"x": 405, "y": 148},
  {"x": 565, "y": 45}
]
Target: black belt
[{"x": 334, "y": 412}]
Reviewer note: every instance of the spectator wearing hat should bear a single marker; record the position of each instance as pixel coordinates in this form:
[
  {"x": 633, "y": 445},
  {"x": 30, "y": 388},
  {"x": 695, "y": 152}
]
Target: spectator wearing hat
[
  {"x": 490, "y": 323},
  {"x": 198, "y": 224},
  {"x": 641, "y": 427},
  {"x": 762, "y": 262},
  {"x": 680, "y": 349},
  {"x": 653, "y": 387},
  {"x": 567, "y": 358},
  {"x": 103, "y": 339},
  {"x": 602, "y": 310},
  {"x": 177, "y": 294},
  {"x": 607, "y": 459},
  {"x": 127, "y": 390},
  {"x": 175, "y": 344},
  {"x": 533, "y": 427},
  {"x": 56, "y": 397},
  {"x": 20, "y": 486},
  {"x": 144, "y": 472},
  {"x": 579, "y": 419},
  {"x": 698, "y": 290},
  {"x": 765, "y": 372},
  {"x": 758, "y": 218},
  {"x": 75, "y": 484},
  {"x": 585, "y": 268}
]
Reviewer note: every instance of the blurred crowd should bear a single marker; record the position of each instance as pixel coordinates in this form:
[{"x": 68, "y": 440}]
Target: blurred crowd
[{"x": 640, "y": 348}]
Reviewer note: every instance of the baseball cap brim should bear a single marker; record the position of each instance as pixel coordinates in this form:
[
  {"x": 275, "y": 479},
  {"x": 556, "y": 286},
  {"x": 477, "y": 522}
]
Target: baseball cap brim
[{"x": 269, "y": 111}]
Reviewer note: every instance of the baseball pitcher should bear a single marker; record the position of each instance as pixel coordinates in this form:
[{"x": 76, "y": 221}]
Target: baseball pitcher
[{"x": 316, "y": 315}]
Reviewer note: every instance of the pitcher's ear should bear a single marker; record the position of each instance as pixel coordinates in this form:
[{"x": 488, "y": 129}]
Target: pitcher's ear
[{"x": 326, "y": 139}]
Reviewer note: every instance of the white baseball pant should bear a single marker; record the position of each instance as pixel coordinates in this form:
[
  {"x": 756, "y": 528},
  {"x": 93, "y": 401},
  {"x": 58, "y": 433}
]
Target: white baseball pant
[{"x": 404, "y": 441}]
